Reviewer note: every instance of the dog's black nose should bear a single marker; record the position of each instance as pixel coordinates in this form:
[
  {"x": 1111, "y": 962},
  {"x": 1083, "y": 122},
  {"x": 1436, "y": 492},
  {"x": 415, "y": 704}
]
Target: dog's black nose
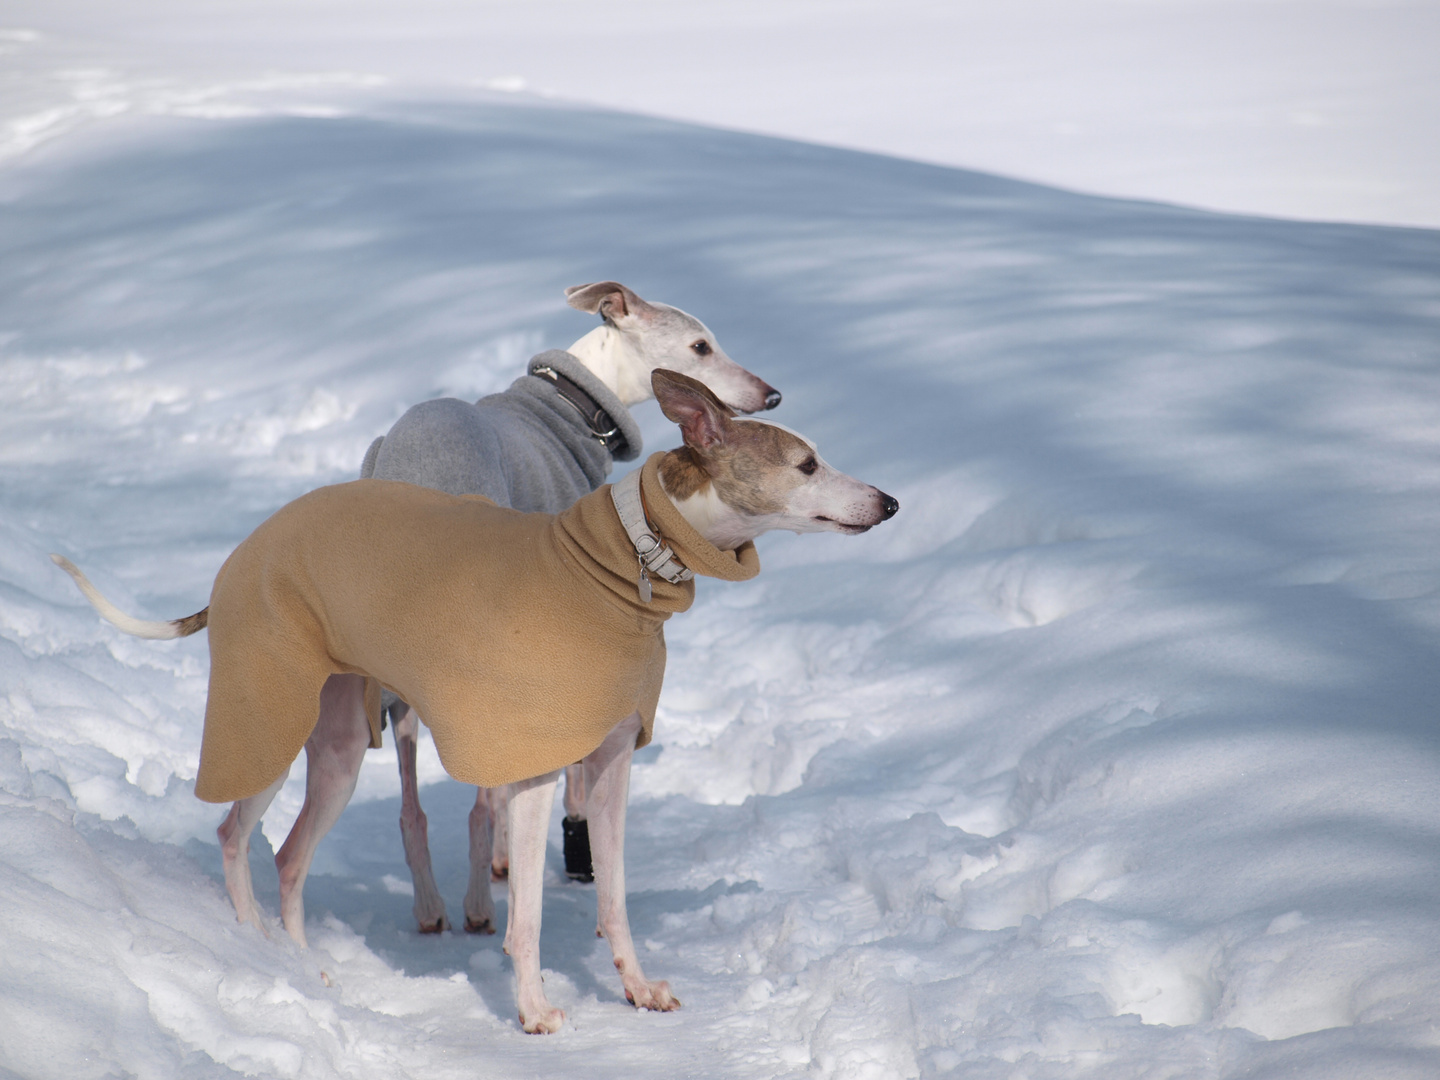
[
  {"x": 772, "y": 399},
  {"x": 888, "y": 506}
]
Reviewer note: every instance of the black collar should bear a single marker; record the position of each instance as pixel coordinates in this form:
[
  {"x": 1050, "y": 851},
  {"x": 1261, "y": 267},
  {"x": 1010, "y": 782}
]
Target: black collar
[{"x": 602, "y": 426}]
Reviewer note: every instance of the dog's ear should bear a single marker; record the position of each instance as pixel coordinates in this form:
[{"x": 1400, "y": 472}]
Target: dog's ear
[
  {"x": 703, "y": 418},
  {"x": 610, "y": 300}
]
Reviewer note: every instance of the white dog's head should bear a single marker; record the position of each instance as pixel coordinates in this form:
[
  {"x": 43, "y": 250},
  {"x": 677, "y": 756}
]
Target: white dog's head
[{"x": 660, "y": 336}]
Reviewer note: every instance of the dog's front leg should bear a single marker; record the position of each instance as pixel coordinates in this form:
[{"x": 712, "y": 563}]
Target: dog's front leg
[
  {"x": 607, "y": 781},
  {"x": 234, "y": 833},
  {"x": 530, "y": 804},
  {"x": 332, "y": 765}
]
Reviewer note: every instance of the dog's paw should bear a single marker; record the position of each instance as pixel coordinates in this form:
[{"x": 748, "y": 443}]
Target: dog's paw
[
  {"x": 546, "y": 1022},
  {"x": 655, "y": 996}
]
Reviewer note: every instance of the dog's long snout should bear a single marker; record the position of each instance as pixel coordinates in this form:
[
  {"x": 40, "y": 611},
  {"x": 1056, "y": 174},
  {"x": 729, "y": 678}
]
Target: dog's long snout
[
  {"x": 772, "y": 399},
  {"x": 888, "y": 506}
]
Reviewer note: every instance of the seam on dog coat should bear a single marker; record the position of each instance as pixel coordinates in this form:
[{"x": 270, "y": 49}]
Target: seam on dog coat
[{"x": 519, "y": 638}]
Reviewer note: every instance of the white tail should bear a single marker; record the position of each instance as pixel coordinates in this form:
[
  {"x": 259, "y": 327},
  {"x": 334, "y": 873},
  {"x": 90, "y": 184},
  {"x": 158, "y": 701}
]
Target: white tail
[{"x": 145, "y": 628}]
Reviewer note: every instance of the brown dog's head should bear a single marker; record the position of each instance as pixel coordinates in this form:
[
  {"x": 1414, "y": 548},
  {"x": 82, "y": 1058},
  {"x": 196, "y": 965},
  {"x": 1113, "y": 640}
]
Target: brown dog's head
[{"x": 756, "y": 475}]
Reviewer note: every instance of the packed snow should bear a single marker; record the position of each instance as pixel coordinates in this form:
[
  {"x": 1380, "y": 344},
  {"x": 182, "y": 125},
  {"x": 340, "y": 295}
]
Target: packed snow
[{"x": 1113, "y": 755}]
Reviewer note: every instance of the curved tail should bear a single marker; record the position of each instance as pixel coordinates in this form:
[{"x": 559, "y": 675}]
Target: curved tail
[{"x": 145, "y": 628}]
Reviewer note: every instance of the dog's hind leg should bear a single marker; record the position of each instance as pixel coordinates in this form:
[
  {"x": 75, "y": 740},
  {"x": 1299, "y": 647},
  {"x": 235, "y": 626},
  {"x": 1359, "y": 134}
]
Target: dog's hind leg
[
  {"x": 607, "y": 776},
  {"x": 414, "y": 828},
  {"x": 479, "y": 904},
  {"x": 578, "y": 865},
  {"x": 530, "y": 804},
  {"x": 332, "y": 762},
  {"x": 575, "y": 791},
  {"x": 234, "y": 833}
]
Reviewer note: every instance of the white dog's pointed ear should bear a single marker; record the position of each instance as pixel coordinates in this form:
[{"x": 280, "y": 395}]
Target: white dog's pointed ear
[
  {"x": 703, "y": 418},
  {"x": 610, "y": 300}
]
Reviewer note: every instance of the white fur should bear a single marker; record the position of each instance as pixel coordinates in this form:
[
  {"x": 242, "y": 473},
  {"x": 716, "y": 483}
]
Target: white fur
[
  {"x": 623, "y": 353},
  {"x": 144, "y": 628}
]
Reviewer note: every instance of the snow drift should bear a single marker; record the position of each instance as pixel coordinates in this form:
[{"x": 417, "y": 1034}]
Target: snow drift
[{"x": 1113, "y": 755}]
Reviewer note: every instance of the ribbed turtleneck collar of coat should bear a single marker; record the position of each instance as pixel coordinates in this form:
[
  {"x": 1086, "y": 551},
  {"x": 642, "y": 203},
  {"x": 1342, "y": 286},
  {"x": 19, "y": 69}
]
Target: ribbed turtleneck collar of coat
[{"x": 591, "y": 532}]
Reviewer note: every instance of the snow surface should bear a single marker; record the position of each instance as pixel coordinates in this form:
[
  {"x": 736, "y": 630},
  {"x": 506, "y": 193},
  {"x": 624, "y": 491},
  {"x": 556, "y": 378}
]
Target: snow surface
[
  {"x": 1297, "y": 108},
  {"x": 1113, "y": 755}
]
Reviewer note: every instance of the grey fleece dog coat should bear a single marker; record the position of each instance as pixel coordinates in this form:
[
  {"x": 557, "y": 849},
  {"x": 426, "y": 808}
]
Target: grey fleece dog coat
[{"x": 526, "y": 447}]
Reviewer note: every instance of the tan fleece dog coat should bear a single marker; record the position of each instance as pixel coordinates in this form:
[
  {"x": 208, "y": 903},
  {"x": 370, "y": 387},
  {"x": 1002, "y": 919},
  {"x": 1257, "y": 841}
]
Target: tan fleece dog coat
[{"x": 519, "y": 638}]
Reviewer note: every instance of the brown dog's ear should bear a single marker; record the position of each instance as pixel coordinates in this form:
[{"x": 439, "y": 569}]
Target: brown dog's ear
[
  {"x": 703, "y": 418},
  {"x": 610, "y": 300}
]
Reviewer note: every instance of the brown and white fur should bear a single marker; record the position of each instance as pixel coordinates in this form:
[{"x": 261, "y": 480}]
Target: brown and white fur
[{"x": 732, "y": 480}]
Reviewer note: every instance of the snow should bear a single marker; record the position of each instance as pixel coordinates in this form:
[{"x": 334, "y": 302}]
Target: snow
[
  {"x": 1112, "y": 755},
  {"x": 1293, "y": 108}
]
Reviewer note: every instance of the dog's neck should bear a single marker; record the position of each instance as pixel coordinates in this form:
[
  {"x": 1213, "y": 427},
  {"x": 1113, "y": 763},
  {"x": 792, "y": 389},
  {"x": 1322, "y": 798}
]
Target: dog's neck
[
  {"x": 608, "y": 355},
  {"x": 693, "y": 492}
]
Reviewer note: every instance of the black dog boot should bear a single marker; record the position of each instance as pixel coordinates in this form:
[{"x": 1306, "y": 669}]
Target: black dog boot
[{"x": 577, "y": 849}]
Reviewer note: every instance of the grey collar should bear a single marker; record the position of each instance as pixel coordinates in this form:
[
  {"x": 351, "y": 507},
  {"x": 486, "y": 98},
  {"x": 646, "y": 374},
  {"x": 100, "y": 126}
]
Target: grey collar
[{"x": 655, "y": 556}]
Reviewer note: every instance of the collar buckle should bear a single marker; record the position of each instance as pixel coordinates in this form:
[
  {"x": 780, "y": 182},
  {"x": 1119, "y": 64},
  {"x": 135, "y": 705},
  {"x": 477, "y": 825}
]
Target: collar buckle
[
  {"x": 601, "y": 424},
  {"x": 654, "y": 555}
]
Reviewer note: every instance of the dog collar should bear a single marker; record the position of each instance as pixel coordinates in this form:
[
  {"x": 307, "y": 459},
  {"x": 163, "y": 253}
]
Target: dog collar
[
  {"x": 655, "y": 556},
  {"x": 601, "y": 424}
]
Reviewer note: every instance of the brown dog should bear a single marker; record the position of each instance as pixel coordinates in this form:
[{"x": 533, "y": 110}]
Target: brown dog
[{"x": 550, "y": 648}]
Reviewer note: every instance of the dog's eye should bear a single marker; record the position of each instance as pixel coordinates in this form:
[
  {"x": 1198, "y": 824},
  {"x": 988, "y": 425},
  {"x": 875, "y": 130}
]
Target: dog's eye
[
  {"x": 808, "y": 466},
  {"x": 701, "y": 347}
]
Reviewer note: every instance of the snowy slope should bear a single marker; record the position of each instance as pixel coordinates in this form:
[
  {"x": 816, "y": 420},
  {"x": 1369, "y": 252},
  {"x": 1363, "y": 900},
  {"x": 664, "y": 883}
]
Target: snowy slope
[
  {"x": 1113, "y": 755},
  {"x": 1320, "y": 109}
]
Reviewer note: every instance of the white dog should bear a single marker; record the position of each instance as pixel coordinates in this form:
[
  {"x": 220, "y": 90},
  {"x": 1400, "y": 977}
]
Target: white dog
[{"x": 540, "y": 445}]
